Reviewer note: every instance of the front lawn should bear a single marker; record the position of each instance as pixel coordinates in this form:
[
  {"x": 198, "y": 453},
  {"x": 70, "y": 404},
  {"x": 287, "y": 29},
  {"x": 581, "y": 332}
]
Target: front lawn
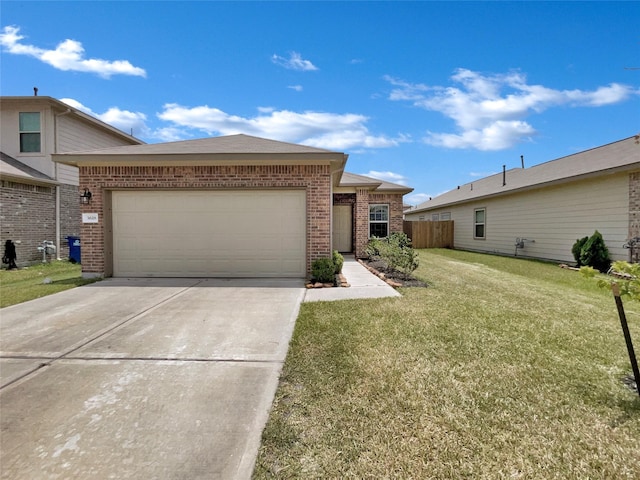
[
  {"x": 501, "y": 368},
  {"x": 27, "y": 283}
]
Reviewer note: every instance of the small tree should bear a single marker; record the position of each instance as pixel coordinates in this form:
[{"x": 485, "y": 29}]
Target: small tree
[{"x": 629, "y": 286}]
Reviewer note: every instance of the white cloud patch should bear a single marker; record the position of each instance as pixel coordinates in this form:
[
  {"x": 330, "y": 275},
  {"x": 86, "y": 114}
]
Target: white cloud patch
[
  {"x": 317, "y": 129},
  {"x": 67, "y": 56},
  {"x": 416, "y": 198},
  {"x": 388, "y": 177},
  {"x": 297, "y": 88},
  {"x": 124, "y": 120},
  {"x": 294, "y": 62},
  {"x": 489, "y": 110}
]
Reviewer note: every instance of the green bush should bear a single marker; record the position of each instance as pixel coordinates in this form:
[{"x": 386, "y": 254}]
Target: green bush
[
  {"x": 595, "y": 253},
  {"x": 323, "y": 270},
  {"x": 338, "y": 261},
  {"x": 395, "y": 251},
  {"x": 374, "y": 247},
  {"x": 576, "y": 250}
]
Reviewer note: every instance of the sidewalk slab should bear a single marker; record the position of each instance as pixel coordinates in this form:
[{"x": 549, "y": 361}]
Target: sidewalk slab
[{"x": 363, "y": 284}]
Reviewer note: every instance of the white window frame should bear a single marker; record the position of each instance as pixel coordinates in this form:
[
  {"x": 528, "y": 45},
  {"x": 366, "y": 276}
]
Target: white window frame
[
  {"x": 445, "y": 216},
  {"x": 377, "y": 205},
  {"x": 435, "y": 217},
  {"x": 477, "y": 224},
  {"x": 30, "y": 132}
]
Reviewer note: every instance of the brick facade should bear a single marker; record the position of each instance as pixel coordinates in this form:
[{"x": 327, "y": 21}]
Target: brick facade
[
  {"x": 362, "y": 199},
  {"x": 28, "y": 216},
  {"x": 361, "y": 220},
  {"x": 315, "y": 179}
]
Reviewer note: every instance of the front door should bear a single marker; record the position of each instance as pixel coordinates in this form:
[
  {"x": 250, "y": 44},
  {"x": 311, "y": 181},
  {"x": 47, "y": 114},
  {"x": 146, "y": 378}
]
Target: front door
[{"x": 343, "y": 228}]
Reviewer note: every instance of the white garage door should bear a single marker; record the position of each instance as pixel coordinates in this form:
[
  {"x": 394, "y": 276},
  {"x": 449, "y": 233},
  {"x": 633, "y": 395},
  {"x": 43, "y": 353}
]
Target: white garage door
[{"x": 243, "y": 233}]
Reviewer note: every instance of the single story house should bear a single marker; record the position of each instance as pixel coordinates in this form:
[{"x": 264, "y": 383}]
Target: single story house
[
  {"x": 39, "y": 200},
  {"x": 230, "y": 206},
  {"x": 540, "y": 212}
]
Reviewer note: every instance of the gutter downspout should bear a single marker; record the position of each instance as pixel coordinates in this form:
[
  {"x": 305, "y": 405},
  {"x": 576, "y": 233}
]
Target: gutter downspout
[{"x": 55, "y": 150}]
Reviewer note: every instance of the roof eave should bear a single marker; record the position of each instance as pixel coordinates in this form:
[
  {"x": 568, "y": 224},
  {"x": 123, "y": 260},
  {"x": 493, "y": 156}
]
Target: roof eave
[
  {"x": 551, "y": 183},
  {"x": 187, "y": 159},
  {"x": 29, "y": 180}
]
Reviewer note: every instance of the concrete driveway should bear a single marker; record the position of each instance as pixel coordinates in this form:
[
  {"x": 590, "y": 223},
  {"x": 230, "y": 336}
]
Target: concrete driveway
[{"x": 143, "y": 378}]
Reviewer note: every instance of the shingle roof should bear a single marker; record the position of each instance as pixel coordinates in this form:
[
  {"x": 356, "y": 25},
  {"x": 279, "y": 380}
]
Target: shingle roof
[
  {"x": 12, "y": 168},
  {"x": 616, "y": 156},
  {"x": 354, "y": 180},
  {"x": 230, "y": 144}
]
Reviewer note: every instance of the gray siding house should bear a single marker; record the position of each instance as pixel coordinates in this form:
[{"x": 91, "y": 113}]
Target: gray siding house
[
  {"x": 39, "y": 199},
  {"x": 549, "y": 205}
]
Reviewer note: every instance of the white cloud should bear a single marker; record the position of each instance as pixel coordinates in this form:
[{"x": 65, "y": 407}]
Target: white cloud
[
  {"x": 388, "y": 177},
  {"x": 498, "y": 135},
  {"x": 489, "y": 109},
  {"x": 297, "y": 88},
  {"x": 317, "y": 129},
  {"x": 294, "y": 62},
  {"x": 67, "y": 56},
  {"x": 416, "y": 198},
  {"x": 124, "y": 120}
]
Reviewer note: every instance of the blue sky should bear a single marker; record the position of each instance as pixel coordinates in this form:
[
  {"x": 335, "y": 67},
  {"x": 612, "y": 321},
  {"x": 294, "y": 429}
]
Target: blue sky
[{"x": 428, "y": 94}]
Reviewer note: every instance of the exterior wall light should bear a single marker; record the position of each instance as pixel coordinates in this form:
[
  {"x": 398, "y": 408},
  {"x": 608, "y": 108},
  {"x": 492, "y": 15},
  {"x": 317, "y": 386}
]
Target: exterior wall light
[{"x": 85, "y": 198}]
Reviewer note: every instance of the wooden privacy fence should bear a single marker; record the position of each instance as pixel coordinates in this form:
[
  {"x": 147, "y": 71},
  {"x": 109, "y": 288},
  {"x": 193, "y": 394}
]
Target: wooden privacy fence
[{"x": 430, "y": 234}]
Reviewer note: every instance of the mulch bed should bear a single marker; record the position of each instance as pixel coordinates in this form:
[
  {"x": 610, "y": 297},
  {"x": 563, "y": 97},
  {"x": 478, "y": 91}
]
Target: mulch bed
[{"x": 393, "y": 277}]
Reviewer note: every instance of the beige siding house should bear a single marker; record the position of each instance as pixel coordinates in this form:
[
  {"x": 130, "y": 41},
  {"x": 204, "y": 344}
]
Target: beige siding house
[
  {"x": 39, "y": 199},
  {"x": 547, "y": 207}
]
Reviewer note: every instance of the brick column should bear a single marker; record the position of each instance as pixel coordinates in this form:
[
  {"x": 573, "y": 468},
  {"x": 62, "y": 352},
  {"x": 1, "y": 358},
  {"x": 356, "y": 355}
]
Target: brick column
[{"x": 362, "y": 221}]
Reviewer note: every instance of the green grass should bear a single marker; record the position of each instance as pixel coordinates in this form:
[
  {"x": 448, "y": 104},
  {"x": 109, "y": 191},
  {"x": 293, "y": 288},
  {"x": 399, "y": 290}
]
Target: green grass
[
  {"x": 17, "y": 286},
  {"x": 502, "y": 368}
]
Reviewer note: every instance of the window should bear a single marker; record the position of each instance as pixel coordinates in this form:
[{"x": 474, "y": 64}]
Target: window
[
  {"x": 479, "y": 223},
  {"x": 421, "y": 218},
  {"x": 435, "y": 217},
  {"x": 378, "y": 221},
  {"x": 29, "y": 131},
  {"x": 445, "y": 216}
]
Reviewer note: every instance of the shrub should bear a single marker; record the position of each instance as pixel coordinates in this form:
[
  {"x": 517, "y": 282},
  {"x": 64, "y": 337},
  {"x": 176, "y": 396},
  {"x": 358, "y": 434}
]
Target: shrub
[
  {"x": 323, "y": 270},
  {"x": 576, "y": 250},
  {"x": 595, "y": 253},
  {"x": 395, "y": 251},
  {"x": 374, "y": 247},
  {"x": 338, "y": 261}
]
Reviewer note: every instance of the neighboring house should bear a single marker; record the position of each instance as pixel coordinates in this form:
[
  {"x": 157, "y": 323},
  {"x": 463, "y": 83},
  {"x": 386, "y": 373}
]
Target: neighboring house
[
  {"x": 549, "y": 205},
  {"x": 39, "y": 199},
  {"x": 232, "y": 206}
]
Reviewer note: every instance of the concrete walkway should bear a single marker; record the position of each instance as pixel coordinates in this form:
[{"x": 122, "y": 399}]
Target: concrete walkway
[{"x": 364, "y": 284}]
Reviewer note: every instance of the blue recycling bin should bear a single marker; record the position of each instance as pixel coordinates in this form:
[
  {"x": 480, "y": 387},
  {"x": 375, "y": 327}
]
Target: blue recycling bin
[{"x": 74, "y": 249}]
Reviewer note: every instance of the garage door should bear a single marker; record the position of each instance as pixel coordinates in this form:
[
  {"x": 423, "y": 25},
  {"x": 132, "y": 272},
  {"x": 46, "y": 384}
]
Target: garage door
[{"x": 243, "y": 233}]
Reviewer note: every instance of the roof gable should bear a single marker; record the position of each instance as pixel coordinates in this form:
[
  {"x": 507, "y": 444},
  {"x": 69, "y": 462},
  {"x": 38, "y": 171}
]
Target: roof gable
[{"x": 378, "y": 186}]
